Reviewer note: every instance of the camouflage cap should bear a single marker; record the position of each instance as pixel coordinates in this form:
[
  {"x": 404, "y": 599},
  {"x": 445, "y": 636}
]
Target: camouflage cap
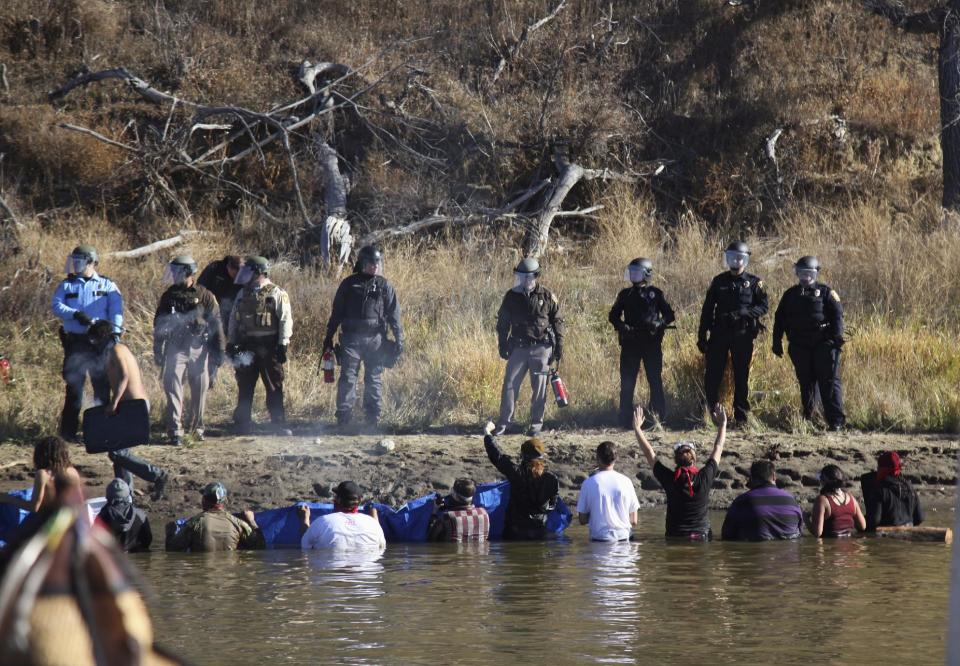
[{"x": 215, "y": 492}]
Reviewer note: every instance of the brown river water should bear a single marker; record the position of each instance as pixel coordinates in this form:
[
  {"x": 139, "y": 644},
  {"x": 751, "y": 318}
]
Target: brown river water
[{"x": 854, "y": 601}]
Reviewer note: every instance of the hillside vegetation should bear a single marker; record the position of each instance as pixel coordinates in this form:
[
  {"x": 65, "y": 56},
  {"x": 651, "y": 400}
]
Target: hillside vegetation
[{"x": 680, "y": 97}]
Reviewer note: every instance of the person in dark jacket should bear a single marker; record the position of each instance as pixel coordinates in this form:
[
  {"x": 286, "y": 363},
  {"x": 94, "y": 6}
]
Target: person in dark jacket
[
  {"x": 764, "y": 512},
  {"x": 811, "y": 316},
  {"x": 889, "y": 499},
  {"x": 455, "y": 518},
  {"x": 530, "y": 338},
  {"x": 687, "y": 488},
  {"x": 218, "y": 278},
  {"x": 641, "y": 314},
  {"x": 533, "y": 490},
  {"x": 364, "y": 307},
  {"x": 729, "y": 323},
  {"x": 128, "y": 524}
]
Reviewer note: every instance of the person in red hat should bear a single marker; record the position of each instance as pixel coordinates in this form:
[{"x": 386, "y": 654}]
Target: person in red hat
[{"x": 889, "y": 499}]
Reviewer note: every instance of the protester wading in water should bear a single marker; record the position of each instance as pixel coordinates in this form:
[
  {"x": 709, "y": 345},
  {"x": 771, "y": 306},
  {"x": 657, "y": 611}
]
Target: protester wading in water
[
  {"x": 215, "y": 529},
  {"x": 608, "y": 501},
  {"x": 764, "y": 512},
  {"x": 889, "y": 499},
  {"x": 687, "y": 488},
  {"x": 533, "y": 490},
  {"x": 455, "y": 518},
  {"x": 128, "y": 524},
  {"x": 347, "y": 528},
  {"x": 835, "y": 512},
  {"x": 51, "y": 458}
]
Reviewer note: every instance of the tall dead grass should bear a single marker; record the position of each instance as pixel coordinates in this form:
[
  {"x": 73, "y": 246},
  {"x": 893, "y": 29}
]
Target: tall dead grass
[{"x": 901, "y": 367}]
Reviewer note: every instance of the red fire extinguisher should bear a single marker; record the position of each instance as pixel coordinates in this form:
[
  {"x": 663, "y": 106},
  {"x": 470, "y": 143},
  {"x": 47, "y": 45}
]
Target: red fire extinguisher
[
  {"x": 328, "y": 365},
  {"x": 559, "y": 390},
  {"x": 4, "y": 369}
]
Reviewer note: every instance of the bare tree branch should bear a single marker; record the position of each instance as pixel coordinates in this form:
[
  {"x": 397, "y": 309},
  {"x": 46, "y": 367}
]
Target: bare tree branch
[
  {"x": 512, "y": 52},
  {"x": 156, "y": 246},
  {"x": 98, "y": 136},
  {"x": 8, "y": 212}
]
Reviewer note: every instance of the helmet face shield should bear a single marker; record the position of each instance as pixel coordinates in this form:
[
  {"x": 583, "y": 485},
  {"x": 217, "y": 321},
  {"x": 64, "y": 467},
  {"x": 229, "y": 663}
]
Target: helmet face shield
[
  {"x": 525, "y": 281},
  {"x": 806, "y": 276},
  {"x": 244, "y": 275},
  {"x": 176, "y": 274},
  {"x": 637, "y": 274},
  {"x": 736, "y": 261},
  {"x": 76, "y": 264}
]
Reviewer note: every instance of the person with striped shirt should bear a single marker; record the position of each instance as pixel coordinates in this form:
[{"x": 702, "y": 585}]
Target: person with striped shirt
[{"x": 765, "y": 512}]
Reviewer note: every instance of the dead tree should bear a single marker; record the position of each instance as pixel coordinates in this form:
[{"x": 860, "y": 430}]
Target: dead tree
[{"x": 943, "y": 20}]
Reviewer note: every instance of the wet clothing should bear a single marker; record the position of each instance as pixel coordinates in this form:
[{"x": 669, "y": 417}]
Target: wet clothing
[
  {"x": 261, "y": 324},
  {"x": 345, "y": 532},
  {"x": 188, "y": 343},
  {"x": 891, "y": 502},
  {"x": 729, "y": 323},
  {"x": 364, "y": 308},
  {"x": 841, "y": 521},
  {"x": 610, "y": 499},
  {"x": 216, "y": 530},
  {"x": 96, "y": 297},
  {"x": 812, "y": 319},
  {"x": 129, "y": 526},
  {"x": 688, "y": 499},
  {"x": 529, "y": 334},
  {"x": 462, "y": 524},
  {"x": 640, "y": 314},
  {"x": 217, "y": 280},
  {"x": 763, "y": 514},
  {"x": 531, "y": 498}
]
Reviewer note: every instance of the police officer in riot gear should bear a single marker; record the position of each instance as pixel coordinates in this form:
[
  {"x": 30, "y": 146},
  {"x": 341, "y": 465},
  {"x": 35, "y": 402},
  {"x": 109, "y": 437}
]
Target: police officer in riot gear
[
  {"x": 640, "y": 314},
  {"x": 260, "y": 329},
  {"x": 83, "y": 298},
  {"x": 188, "y": 343},
  {"x": 811, "y": 316},
  {"x": 729, "y": 323},
  {"x": 530, "y": 338},
  {"x": 364, "y": 307}
]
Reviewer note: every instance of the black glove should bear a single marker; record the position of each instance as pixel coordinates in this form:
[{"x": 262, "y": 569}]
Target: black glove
[
  {"x": 557, "y": 352},
  {"x": 282, "y": 354},
  {"x": 233, "y": 351},
  {"x": 158, "y": 356},
  {"x": 504, "y": 352},
  {"x": 399, "y": 344},
  {"x": 82, "y": 318},
  {"x": 778, "y": 348},
  {"x": 838, "y": 342},
  {"x": 702, "y": 346}
]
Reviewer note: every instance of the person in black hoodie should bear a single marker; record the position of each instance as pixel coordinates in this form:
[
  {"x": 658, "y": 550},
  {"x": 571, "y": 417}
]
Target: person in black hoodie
[
  {"x": 533, "y": 490},
  {"x": 128, "y": 524},
  {"x": 889, "y": 499}
]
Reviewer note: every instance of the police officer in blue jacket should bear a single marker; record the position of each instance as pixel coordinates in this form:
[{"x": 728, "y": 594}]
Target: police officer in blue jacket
[{"x": 81, "y": 299}]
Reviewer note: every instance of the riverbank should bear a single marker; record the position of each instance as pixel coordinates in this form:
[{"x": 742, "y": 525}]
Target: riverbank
[{"x": 264, "y": 472}]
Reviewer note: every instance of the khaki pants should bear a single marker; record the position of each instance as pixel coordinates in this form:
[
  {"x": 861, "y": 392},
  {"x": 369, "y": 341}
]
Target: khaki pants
[
  {"x": 190, "y": 364},
  {"x": 523, "y": 360}
]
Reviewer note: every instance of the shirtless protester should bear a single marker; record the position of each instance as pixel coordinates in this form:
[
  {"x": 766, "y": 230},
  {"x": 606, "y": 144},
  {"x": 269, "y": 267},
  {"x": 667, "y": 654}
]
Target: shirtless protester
[
  {"x": 51, "y": 458},
  {"x": 126, "y": 383}
]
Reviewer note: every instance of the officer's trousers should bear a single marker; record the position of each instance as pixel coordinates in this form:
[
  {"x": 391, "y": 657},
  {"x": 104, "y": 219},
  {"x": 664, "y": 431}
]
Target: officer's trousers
[
  {"x": 818, "y": 372},
  {"x": 357, "y": 348},
  {"x": 631, "y": 356},
  {"x": 263, "y": 364},
  {"x": 79, "y": 360},
  {"x": 533, "y": 360},
  {"x": 739, "y": 348},
  {"x": 188, "y": 363}
]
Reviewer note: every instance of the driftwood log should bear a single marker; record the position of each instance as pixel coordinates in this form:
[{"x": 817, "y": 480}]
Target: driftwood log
[
  {"x": 156, "y": 246},
  {"x": 937, "y": 534}
]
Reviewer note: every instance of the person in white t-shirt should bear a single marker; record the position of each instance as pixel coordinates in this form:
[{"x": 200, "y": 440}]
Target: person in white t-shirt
[
  {"x": 608, "y": 501},
  {"x": 346, "y": 529}
]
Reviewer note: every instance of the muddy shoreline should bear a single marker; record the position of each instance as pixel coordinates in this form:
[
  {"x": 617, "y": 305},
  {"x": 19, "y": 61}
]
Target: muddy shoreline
[{"x": 264, "y": 472}]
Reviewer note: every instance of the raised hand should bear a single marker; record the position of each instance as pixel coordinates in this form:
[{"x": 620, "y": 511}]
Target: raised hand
[
  {"x": 637, "y": 418},
  {"x": 719, "y": 416}
]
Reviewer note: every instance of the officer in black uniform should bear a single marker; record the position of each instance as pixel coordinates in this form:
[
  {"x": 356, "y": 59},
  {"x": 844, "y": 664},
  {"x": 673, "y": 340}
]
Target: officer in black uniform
[
  {"x": 640, "y": 314},
  {"x": 364, "y": 307},
  {"x": 729, "y": 322},
  {"x": 218, "y": 277},
  {"x": 812, "y": 317}
]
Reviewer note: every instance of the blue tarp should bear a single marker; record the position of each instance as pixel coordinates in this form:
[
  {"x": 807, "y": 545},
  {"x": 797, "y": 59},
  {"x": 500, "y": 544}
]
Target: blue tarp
[{"x": 11, "y": 516}]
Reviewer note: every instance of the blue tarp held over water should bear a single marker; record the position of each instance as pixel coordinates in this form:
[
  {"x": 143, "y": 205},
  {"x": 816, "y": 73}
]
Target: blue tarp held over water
[{"x": 11, "y": 516}]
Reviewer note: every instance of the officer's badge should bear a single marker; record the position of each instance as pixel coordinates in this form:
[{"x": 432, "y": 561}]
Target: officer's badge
[
  {"x": 834, "y": 295},
  {"x": 650, "y": 295},
  {"x": 541, "y": 302},
  {"x": 746, "y": 283},
  {"x": 816, "y": 292}
]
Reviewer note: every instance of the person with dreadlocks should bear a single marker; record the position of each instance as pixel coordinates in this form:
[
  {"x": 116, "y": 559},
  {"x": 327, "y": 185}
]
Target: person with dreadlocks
[
  {"x": 889, "y": 499},
  {"x": 533, "y": 490},
  {"x": 51, "y": 458},
  {"x": 687, "y": 487}
]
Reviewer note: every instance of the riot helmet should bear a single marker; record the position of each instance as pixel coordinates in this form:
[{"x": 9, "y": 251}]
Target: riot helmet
[
  {"x": 179, "y": 269},
  {"x": 253, "y": 266},
  {"x": 525, "y": 274},
  {"x": 369, "y": 255},
  {"x": 807, "y": 269},
  {"x": 639, "y": 270},
  {"x": 737, "y": 256},
  {"x": 82, "y": 256}
]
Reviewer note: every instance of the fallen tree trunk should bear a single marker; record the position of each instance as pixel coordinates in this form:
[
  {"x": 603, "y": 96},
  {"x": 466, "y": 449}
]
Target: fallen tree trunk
[{"x": 156, "y": 246}]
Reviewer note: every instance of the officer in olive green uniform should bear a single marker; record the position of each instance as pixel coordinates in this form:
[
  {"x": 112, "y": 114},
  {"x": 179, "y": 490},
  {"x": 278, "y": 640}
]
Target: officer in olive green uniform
[
  {"x": 187, "y": 341},
  {"x": 260, "y": 329},
  {"x": 215, "y": 529},
  {"x": 530, "y": 337}
]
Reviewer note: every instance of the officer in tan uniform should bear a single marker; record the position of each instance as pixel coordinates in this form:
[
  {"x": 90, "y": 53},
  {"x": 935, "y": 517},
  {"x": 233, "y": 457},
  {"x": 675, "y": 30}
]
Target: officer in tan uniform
[
  {"x": 530, "y": 337},
  {"x": 260, "y": 330},
  {"x": 188, "y": 343}
]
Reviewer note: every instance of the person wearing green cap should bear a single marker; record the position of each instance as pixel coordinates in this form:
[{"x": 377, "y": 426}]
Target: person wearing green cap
[
  {"x": 188, "y": 343},
  {"x": 81, "y": 299},
  {"x": 215, "y": 529},
  {"x": 260, "y": 329}
]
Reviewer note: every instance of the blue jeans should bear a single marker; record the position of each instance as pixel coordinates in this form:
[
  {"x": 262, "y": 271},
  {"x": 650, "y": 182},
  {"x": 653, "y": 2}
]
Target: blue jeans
[{"x": 127, "y": 464}]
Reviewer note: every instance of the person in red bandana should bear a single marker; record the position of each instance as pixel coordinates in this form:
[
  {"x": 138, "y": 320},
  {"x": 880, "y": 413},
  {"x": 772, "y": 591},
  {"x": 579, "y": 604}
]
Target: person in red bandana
[
  {"x": 687, "y": 487},
  {"x": 889, "y": 499}
]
